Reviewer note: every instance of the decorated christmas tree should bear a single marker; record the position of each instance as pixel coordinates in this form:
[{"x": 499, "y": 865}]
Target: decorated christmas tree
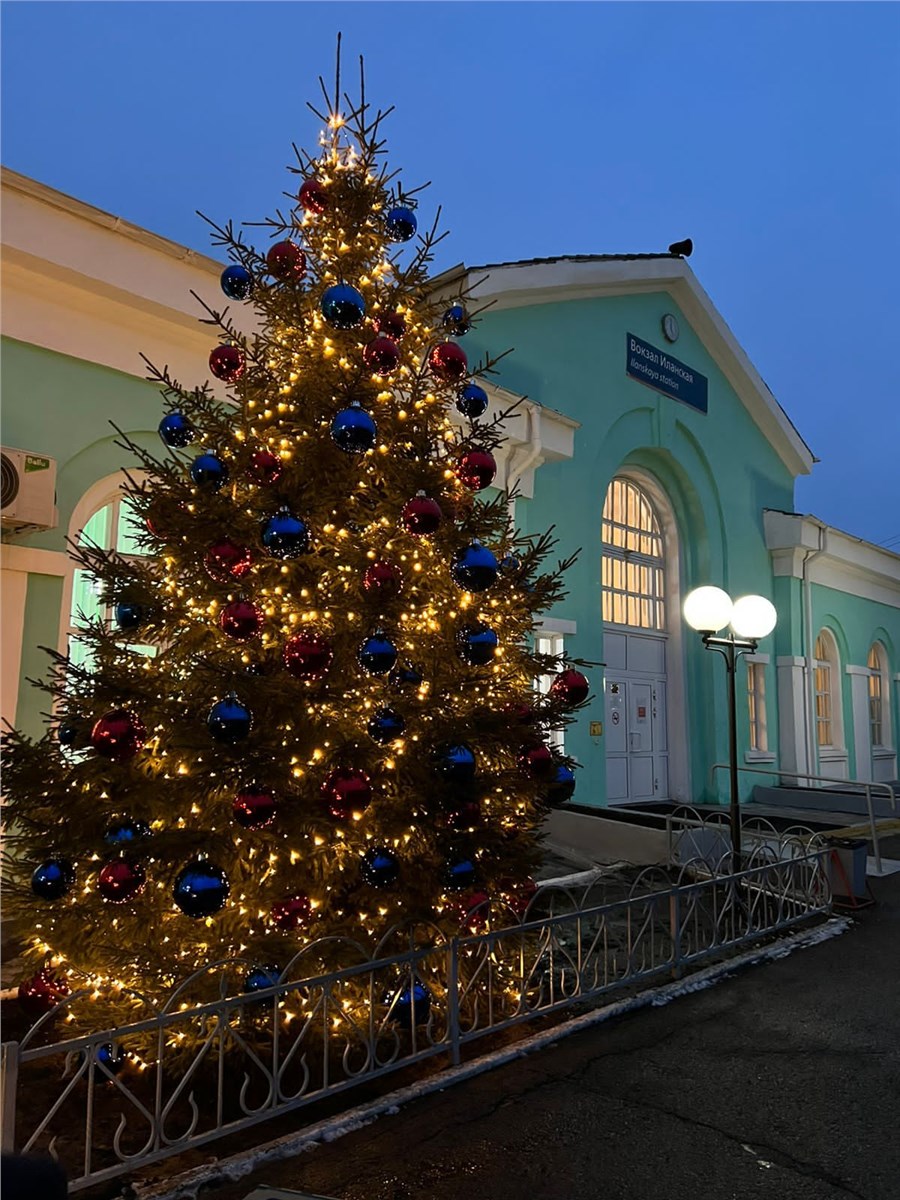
[{"x": 337, "y": 731}]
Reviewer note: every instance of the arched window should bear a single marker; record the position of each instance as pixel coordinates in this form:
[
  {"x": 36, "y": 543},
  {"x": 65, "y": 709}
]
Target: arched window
[
  {"x": 879, "y": 725},
  {"x": 111, "y": 527},
  {"x": 633, "y": 575},
  {"x": 829, "y": 726}
]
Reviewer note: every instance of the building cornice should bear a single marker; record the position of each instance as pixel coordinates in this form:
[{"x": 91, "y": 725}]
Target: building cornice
[
  {"x": 13, "y": 183},
  {"x": 842, "y": 561}
]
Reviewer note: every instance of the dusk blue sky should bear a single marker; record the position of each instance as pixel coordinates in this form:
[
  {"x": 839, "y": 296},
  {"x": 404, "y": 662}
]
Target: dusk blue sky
[{"x": 766, "y": 132}]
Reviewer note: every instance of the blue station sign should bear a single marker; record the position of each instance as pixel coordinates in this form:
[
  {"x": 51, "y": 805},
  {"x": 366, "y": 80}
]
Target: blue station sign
[{"x": 660, "y": 371}]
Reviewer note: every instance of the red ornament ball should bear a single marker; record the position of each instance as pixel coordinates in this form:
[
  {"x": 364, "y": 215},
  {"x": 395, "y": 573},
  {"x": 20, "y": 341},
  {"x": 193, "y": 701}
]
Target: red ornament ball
[
  {"x": 383, "y": 578},
  {"x": 448, "y": 362},
  {"x": 313, "y": 196},
  {"x": 421, "y": 515},
  {"x": 42, "y": 992},
  {"x": 476, "y": 469},
  {"x": 290, "y": 914},
  {"x": 240, "y": 620},
  {"x": 466, "y": 815},
  {"x": 254, "y": 809},
  {"x": 473, "y": 911},
  {"x": 381, "y": 355},
  {"x": 265, "y": 467},
  {"x": 308, "y": 655},
  {"x": 347, "y": 793},
  {"x": 118, "y": 735},
  {"x": 226, "y": 561},
  {"x": 536, "y": 760},
  {"x": 287, "y": 262},
  {"x": 521, "y": 714},
  {"x": 518, "y": 894},
  {"x": 120, "y": 880},
  {"x": 392, "y": 325},
  {"x": 228, "y": 363},
  {"x": 570, "y": 687}
]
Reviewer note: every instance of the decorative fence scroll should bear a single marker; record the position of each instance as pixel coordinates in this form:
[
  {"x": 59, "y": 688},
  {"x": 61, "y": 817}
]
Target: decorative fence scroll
[{"x": 111, "y": 1102}]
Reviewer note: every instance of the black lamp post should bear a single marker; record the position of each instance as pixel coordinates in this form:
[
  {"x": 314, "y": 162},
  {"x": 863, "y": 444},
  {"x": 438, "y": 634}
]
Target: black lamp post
[{"x": 707, "y": 610}]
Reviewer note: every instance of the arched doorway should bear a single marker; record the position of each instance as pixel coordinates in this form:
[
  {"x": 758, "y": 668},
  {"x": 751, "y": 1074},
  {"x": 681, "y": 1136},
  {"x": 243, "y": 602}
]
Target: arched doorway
[{"x": 645, "y": 748}]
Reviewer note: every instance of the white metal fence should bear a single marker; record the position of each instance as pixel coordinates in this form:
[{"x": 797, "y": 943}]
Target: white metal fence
[{"x": 113, "y": 1101}]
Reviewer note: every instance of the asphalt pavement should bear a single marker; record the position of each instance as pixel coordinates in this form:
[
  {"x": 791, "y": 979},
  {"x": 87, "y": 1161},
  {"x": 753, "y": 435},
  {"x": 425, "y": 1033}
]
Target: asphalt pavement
[{"x": 781, "y": 1083}]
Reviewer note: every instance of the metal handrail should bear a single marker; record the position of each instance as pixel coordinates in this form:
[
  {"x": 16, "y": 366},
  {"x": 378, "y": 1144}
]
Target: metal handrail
[{"x": 868, "y": 784}]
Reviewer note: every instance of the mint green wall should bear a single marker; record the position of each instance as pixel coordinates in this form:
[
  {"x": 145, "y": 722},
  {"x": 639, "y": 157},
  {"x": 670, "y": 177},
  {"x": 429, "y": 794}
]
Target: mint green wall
[
  {"x": 856, "y": 623},
  {"x": 61, "y": 406},
  {"x": 717, "y": 469}
]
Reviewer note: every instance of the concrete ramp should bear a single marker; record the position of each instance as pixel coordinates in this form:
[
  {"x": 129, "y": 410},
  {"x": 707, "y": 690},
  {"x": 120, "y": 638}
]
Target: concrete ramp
[{"x": 844, "y": 799}]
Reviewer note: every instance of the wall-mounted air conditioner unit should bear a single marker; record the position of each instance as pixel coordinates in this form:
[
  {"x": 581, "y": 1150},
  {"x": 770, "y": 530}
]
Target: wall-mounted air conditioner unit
[{"x": 29, "y": 490}]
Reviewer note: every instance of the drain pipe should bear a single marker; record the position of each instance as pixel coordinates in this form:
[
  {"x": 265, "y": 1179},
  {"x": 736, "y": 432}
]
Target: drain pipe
[
  {"x": 532, "y": 455},
  {"x": 809, "y": 700}
]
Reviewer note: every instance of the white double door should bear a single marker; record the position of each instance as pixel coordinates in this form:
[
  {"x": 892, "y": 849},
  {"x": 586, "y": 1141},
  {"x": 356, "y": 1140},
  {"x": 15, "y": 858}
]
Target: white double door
[{"x": 637, "y": 741}]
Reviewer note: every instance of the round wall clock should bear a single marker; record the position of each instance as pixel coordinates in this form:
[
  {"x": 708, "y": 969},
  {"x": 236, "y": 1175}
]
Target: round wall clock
[{"x": 670, "y": 327}]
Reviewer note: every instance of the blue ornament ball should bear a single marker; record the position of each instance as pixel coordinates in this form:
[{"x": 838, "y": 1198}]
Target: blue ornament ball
[
  {"x": 405, "y": 675},
  {"x": 70, "y": 733},
  {"x": 229, "y": 721},
  {"x": 343, "y": 307},
  {"x": 409, "y": 1004},
  {"x": 472, "y": 401},
  {"x": 456, "y": 762},
  {"x": 200, "y": 889},
  {"x": 460, "y": 874},
  {"x": 474, "y": 568},
  {"x": 380, "y": 867},
  {"x": 377, "y": 654},
  {"x": 455, "y": 321},
  {"x": 400, "y": 224},
  {"x": 111, "y": 1056},
  {"x": 126, "y": 831},
  {"x": 258, "y": 979},
  {"x": 209, "y": 472},
  {"x": 562, "y": 786},
  {"x": 386, "y": 726},
  {"x": 354, "y": 430},
  {"x": 237, "y": 282},
  {"x": 130, "y": 616},
  {"x": 285, "y": 536},
  {"x": 475, "y": 644},
  {"x": 53, "y": 879},
  {"x": 176, "y": 430},
  {"x": 509, "y": 563}
]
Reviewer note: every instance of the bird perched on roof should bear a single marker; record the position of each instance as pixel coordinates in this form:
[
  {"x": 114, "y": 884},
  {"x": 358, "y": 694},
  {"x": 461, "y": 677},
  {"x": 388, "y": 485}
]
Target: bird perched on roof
[{"x": 682, "y": 249}]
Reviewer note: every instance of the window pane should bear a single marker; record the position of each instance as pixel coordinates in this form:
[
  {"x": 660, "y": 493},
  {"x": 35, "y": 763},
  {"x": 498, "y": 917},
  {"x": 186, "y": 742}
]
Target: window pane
[
  {"x": 96, "y": 530},
  {"x": 80, "y": 653},
  {"x": 128, "y": 526},
  {"x": 85, "y": 603},
  {"x": 631, "y": 558}
]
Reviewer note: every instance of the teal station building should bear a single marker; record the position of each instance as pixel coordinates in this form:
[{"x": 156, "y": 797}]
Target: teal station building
[{"x": 641, "y": 431}]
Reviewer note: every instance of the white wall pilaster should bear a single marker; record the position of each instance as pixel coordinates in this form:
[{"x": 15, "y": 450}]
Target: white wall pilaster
[
  {"x": 859, "y": 698},
  {"x": 792, "y": 751}
]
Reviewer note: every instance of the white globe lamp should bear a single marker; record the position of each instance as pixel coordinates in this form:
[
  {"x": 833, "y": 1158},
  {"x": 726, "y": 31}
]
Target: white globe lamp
[
  {"x": 753, "y": 617},
  {"x": 707, "y": 609}
]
